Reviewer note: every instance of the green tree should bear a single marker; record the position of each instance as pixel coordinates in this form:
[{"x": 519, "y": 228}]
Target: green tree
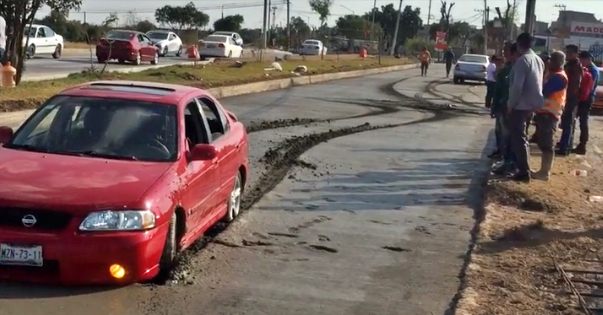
[
  {"x": 299, "y": 30},
  {"x": 145, "y": 26},
  {"x": 410, "y": 22},
  {"x": 323, "y": 8},
  {"x": 19, "y": 14},
  {"x": 231, "y": 23},
  {"x": 355, "y": 26},
  {"x": 186, "y": 17}
]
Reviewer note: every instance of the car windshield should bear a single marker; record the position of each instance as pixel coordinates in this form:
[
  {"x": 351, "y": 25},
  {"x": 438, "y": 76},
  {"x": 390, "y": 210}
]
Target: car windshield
[
  {"x": 158, "y": 35},
  {"x": 120, "y": 35},
  {"x": 218, "y": 39},
  {"x": 101, "y": 127},
  {"x": 476, "y": 59},
  {"x": 311, "y": 42}
]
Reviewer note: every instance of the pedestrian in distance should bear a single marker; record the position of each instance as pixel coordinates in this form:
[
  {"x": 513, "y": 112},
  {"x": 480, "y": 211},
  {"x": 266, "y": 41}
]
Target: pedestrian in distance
[
  {"x": 425, "y": 59},
  {"x": 525, "y": 97},
  {"x": 547, "y": 118},
  {"x": 449, "y": 60},
  {"x": 587, "y": 98},
  {"x": 574, "y": 70},
  {"x": 499, "y": 99},
  {"x": 2, "y": 39},
  {"x": 490, "y": 80}
]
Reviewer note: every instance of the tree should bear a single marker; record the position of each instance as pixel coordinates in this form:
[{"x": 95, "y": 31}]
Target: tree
[
  {"x": 355, "y": 26},
  {"x": 180, "y": 18},
  {"x": 410, "y": 22},
  {"x": 445, "y": 12},
  {"x": 145, "y": 26},
  {"x": 323, "y": 8},
  {"x": 19, "y": 14},
  {"x": 231, "y": 23},
  {"x": 299, "y": 30}
]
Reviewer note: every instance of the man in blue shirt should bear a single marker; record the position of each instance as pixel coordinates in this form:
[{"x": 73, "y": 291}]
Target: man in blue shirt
[{"x": 586, "y": 59}]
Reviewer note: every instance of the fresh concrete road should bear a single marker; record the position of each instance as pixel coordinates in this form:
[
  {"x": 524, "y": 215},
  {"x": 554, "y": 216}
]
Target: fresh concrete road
[{"x": 363, "y": 221}]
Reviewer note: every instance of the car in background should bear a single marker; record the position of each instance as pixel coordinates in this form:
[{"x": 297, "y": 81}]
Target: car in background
[
  {"x": 235, "y": 36},
  {"x": 598, "y": 104},
  {"x": 167, "y": 42},
  {"x": 43, "y": 41},
  {"x": 471, "y": 67},
  {"x": 222, "y": 46},
  {"x": 313, "y": 47},
  {"x": 107, "y": 181},
  {"x": 124, "y": 45}
]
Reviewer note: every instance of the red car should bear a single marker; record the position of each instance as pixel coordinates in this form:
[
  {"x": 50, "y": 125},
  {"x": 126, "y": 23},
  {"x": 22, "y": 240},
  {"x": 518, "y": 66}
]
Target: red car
[
  {"x": 125, "y": 46},
  {"x": 107, "y": 181}
]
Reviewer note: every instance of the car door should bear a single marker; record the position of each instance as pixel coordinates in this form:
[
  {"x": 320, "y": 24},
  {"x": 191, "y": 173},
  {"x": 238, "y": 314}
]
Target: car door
[
  {"x": 147, "y": 51},
  {"x": 200, "y": 179},
  {"x": 41, "y": 42},
  {"x": 236, "y": 49},
  {"x": 51, "y": 39},
  {"x": 172, "y": 43},
  {"x": 227, "y": 145}
]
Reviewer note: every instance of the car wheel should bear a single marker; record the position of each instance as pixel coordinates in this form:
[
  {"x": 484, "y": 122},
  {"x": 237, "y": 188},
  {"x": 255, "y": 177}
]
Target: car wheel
[
  {"x": 57, "y": 52},
  {"x": 122, "y": 61},
  {"x": 31, "y": 51},
  {"x": 170, "y": 249},
  {"x": 234, "y": 200},
  {"x": 156, "y": 59},
  {"x": 165, "y": 52},
  {"x": 138, "y": 59},
  {"x": 179, "y": 53}
]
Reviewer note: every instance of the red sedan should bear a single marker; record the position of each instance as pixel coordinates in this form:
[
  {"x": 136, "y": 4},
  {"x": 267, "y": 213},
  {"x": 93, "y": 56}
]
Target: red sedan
[
  {"x": 107, "y": 181},
  {"x": 125, "y": 46}
]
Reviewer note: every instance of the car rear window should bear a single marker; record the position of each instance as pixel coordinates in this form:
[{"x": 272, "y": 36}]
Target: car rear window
[
  {"x": 311, "y": 42},
  {"x": 120, "y": 35},
  {"x": 158, "y": 35},
  {"x": 219, "y": 39},
  {"x": 476, "y": 59}
]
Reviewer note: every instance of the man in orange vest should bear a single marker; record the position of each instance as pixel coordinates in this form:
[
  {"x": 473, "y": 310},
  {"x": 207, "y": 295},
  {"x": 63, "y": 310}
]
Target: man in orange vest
[
  {"x": 547, "y": 117},
  {"x": 425, "y": 58}
]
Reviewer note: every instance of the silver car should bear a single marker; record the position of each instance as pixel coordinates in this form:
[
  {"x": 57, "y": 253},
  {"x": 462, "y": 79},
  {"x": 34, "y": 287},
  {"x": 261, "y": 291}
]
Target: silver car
[{"x": 471, "y": 67}]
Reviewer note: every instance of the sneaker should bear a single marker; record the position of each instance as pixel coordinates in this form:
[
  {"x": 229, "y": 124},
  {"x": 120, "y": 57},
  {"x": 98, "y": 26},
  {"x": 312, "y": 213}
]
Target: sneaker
[
  {"x": 500, "y": 170},
  {"x": 495, "y": 155},
  {"x": 541, "y": 176},
  {"x": 520, "y": 177},
  {"x": 580, "y": 150}
]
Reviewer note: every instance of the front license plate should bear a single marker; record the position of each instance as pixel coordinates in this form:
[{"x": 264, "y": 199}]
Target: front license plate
[
  {"x": 211, "y": 46},
  {"x": 21, "y": 255}
]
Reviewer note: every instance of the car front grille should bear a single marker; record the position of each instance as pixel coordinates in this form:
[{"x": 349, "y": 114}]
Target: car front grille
[{"x": 44, "y": 220}]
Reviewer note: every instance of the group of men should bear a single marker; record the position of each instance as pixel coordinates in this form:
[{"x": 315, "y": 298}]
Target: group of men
[{"x": 549, "y": 91}]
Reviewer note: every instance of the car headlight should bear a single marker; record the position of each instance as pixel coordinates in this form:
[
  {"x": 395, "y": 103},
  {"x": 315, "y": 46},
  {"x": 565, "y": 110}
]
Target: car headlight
[{"x": 127, "y": 220}]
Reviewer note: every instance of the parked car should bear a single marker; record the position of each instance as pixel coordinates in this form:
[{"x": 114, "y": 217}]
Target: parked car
[
  {"x": 313, "y": 47},
  {"x": 471, "y": 67},
  {"x": 43, "y": 41},
  {"x": 219, "y": 46},
  {"x": 167, "y": 42},
  {"x": 107, "y": 181},
  {"x": 125, "y": 46},
  {"x": 598, "y": 104},
  {"x": 235, "y": 36}
]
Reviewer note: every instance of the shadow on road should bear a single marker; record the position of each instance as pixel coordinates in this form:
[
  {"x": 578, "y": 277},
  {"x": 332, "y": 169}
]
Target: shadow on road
[{"x": 34, "y": 291}]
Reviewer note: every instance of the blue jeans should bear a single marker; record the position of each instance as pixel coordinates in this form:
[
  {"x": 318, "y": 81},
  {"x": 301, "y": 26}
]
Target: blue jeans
[{"x": 568, "y": 124}]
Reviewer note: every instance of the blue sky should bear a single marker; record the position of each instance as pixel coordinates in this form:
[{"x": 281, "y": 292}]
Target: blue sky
[{"x": 464, "y": 10}]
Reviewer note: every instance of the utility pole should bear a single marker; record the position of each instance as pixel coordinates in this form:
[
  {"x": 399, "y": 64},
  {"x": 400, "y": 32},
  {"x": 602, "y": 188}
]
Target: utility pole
[
  {"x": 85, "y": 17},
  {"x": 429, "y": 14},
  {"x": 222, "y": 11},
  {"x": 486, "y": 11},
  {"x": 530, "y": 16},
  {"x": 288, "y": 25},
  {"x": 393, "y": 48},
  {"x": 265, "y": 35},
  {"x": 373, "y": 24},
  {"x": 273, "y": 17}
]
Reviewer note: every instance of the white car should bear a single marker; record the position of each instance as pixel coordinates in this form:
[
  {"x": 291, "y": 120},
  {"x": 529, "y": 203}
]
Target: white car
[
  {"x": 471, "y": 67},
  {"x": 43, "y": 41},
  {"x": 237, "y": 38},
  {"x": 167, "y": 42},
  {"x": 219, "y": 46},
  {"x": 313, "y": 47}
]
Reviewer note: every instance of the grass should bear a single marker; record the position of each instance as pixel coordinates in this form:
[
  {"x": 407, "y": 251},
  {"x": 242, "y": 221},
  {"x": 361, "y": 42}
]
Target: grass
[{"x": 30, "y": 94}]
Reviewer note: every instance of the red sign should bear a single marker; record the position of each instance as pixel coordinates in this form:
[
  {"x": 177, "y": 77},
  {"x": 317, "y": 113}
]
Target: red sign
[
  {"x": 587, "y": 28},
  {"x": 441, "y": 44}
]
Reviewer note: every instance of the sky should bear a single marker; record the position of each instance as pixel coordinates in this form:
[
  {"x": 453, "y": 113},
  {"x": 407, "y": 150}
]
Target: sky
[{"x": 464, "y": 10}]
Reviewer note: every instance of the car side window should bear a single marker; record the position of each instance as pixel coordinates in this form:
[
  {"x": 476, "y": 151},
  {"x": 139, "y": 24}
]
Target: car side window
[
  {"x": 147, "y": 40},
  {"x": 172, "y": 37},
  {"x": 195, "y": 130},
  {"x": 49, "y": 32},
  {"x": 41, "y": 33},
  {"x": 216, "y": 120},
  {"x": 141, "y": 39}
]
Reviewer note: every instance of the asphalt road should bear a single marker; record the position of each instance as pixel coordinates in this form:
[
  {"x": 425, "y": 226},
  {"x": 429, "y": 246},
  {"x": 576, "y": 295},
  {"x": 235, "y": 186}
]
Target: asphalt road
[{"x": 359, "y": 222}]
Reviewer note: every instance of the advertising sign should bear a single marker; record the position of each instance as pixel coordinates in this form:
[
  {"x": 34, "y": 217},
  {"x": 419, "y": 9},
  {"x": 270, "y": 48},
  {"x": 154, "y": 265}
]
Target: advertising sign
[{"x": 441, "y": 44}]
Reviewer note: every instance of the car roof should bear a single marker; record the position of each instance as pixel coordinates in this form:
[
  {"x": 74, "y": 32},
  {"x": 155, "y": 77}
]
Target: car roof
[
  {"x": 38, "y": 25},
  {"x": 169, "y": 94},
  {"x": 475, "y": 55},
  {"x": 223, "y": 32},
  {"x": 159, "y": 31},
  {"x": 126, "y": 31}
]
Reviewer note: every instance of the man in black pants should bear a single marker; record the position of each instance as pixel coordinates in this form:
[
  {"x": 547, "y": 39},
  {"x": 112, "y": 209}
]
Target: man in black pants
[
  {"x": 586, "y": 59},
  {"x": 449, "y": 59}
]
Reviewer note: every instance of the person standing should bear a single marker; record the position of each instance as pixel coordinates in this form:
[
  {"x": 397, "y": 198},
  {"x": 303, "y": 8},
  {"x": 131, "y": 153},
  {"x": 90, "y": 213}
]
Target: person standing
[
  {"x": 499, "y": 99},
  {"x": 573, "y": 69},
  {"x": 525, "y": 97},
  {"x": 449, "y": 59},
  {"x": 2, "y": 38},
  {"x": 587, "y": 100},
  {"x": 490, "y": 80},
  {"x": 547, "y": 118},
  {"x": 424, "y": 58}
]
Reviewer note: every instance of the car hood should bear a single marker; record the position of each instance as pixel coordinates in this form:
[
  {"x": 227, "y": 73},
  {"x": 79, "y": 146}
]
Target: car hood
[
  {"x": 160, "y": 41},
  {"x": 30, "y": 179}
]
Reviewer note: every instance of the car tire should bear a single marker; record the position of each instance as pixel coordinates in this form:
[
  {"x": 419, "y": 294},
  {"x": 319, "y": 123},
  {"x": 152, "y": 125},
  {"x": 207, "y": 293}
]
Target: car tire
[
  {"x": 165, "y": 52},
  {"x": 121, "y": 61},
  {"x": 138, "y": 59},
  {"x": 31, "y": 52},
  {"x": 57, "y": 52},
  {"x": 179, "y": 53},
  {"x": 170, "y": 249},
  {"x": 234, "y": 199},
  {"x": 155, "y": 61}
]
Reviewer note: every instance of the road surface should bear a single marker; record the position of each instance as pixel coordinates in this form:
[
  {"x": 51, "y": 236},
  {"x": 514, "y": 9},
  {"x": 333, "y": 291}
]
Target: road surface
[{"x": 350, "y": 218}]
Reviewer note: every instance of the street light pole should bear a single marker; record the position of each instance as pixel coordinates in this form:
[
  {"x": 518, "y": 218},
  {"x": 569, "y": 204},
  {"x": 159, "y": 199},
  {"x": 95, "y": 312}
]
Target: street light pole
[
  {"x": 394, "y": 43},
  {"x": 373, "y": 24},
  {"x": 288, "y": 25},
  {"x": 265, "y": 37},
  {"x": 530, "y": 16}
]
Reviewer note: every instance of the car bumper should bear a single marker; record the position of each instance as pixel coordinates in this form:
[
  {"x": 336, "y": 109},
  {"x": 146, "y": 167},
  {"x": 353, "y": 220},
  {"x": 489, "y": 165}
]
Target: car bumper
[
  {"x": 469, "y": 75},
  {"x": 84, "y": 258},
  {"x": 213, "y": 52},
  {"x": 120, "y": 55}
]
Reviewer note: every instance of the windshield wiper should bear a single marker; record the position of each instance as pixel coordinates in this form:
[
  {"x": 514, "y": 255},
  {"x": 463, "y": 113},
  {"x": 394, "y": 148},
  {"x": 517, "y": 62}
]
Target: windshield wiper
[
  {"x": 101, "y": 155},
  {"x": 26, "y": 147}
]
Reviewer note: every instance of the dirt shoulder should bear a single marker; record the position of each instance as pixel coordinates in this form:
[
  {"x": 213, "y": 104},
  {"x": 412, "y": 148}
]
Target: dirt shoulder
[{"x": 530, "y": 234}]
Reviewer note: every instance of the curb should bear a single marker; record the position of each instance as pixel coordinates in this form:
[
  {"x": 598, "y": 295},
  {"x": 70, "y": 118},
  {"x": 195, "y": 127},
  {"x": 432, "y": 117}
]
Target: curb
[{"x": 263, "y": 86}]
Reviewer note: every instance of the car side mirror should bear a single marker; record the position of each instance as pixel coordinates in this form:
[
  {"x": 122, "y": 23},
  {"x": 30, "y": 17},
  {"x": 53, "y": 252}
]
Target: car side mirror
[
  {"x": 203, "y": 152},
  {"x": 6, "y": 134}
]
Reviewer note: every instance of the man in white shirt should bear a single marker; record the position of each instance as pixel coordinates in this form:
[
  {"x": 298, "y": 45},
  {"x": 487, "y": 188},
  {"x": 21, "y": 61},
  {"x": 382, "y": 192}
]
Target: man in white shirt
[
  {"x": 490, "y": 80},
  {"x": 2, "y": 38}
]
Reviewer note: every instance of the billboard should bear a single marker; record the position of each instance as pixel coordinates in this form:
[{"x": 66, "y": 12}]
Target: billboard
[
  {"x": 587, "y": 29},
  {"x": 440, "y": 44}
]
